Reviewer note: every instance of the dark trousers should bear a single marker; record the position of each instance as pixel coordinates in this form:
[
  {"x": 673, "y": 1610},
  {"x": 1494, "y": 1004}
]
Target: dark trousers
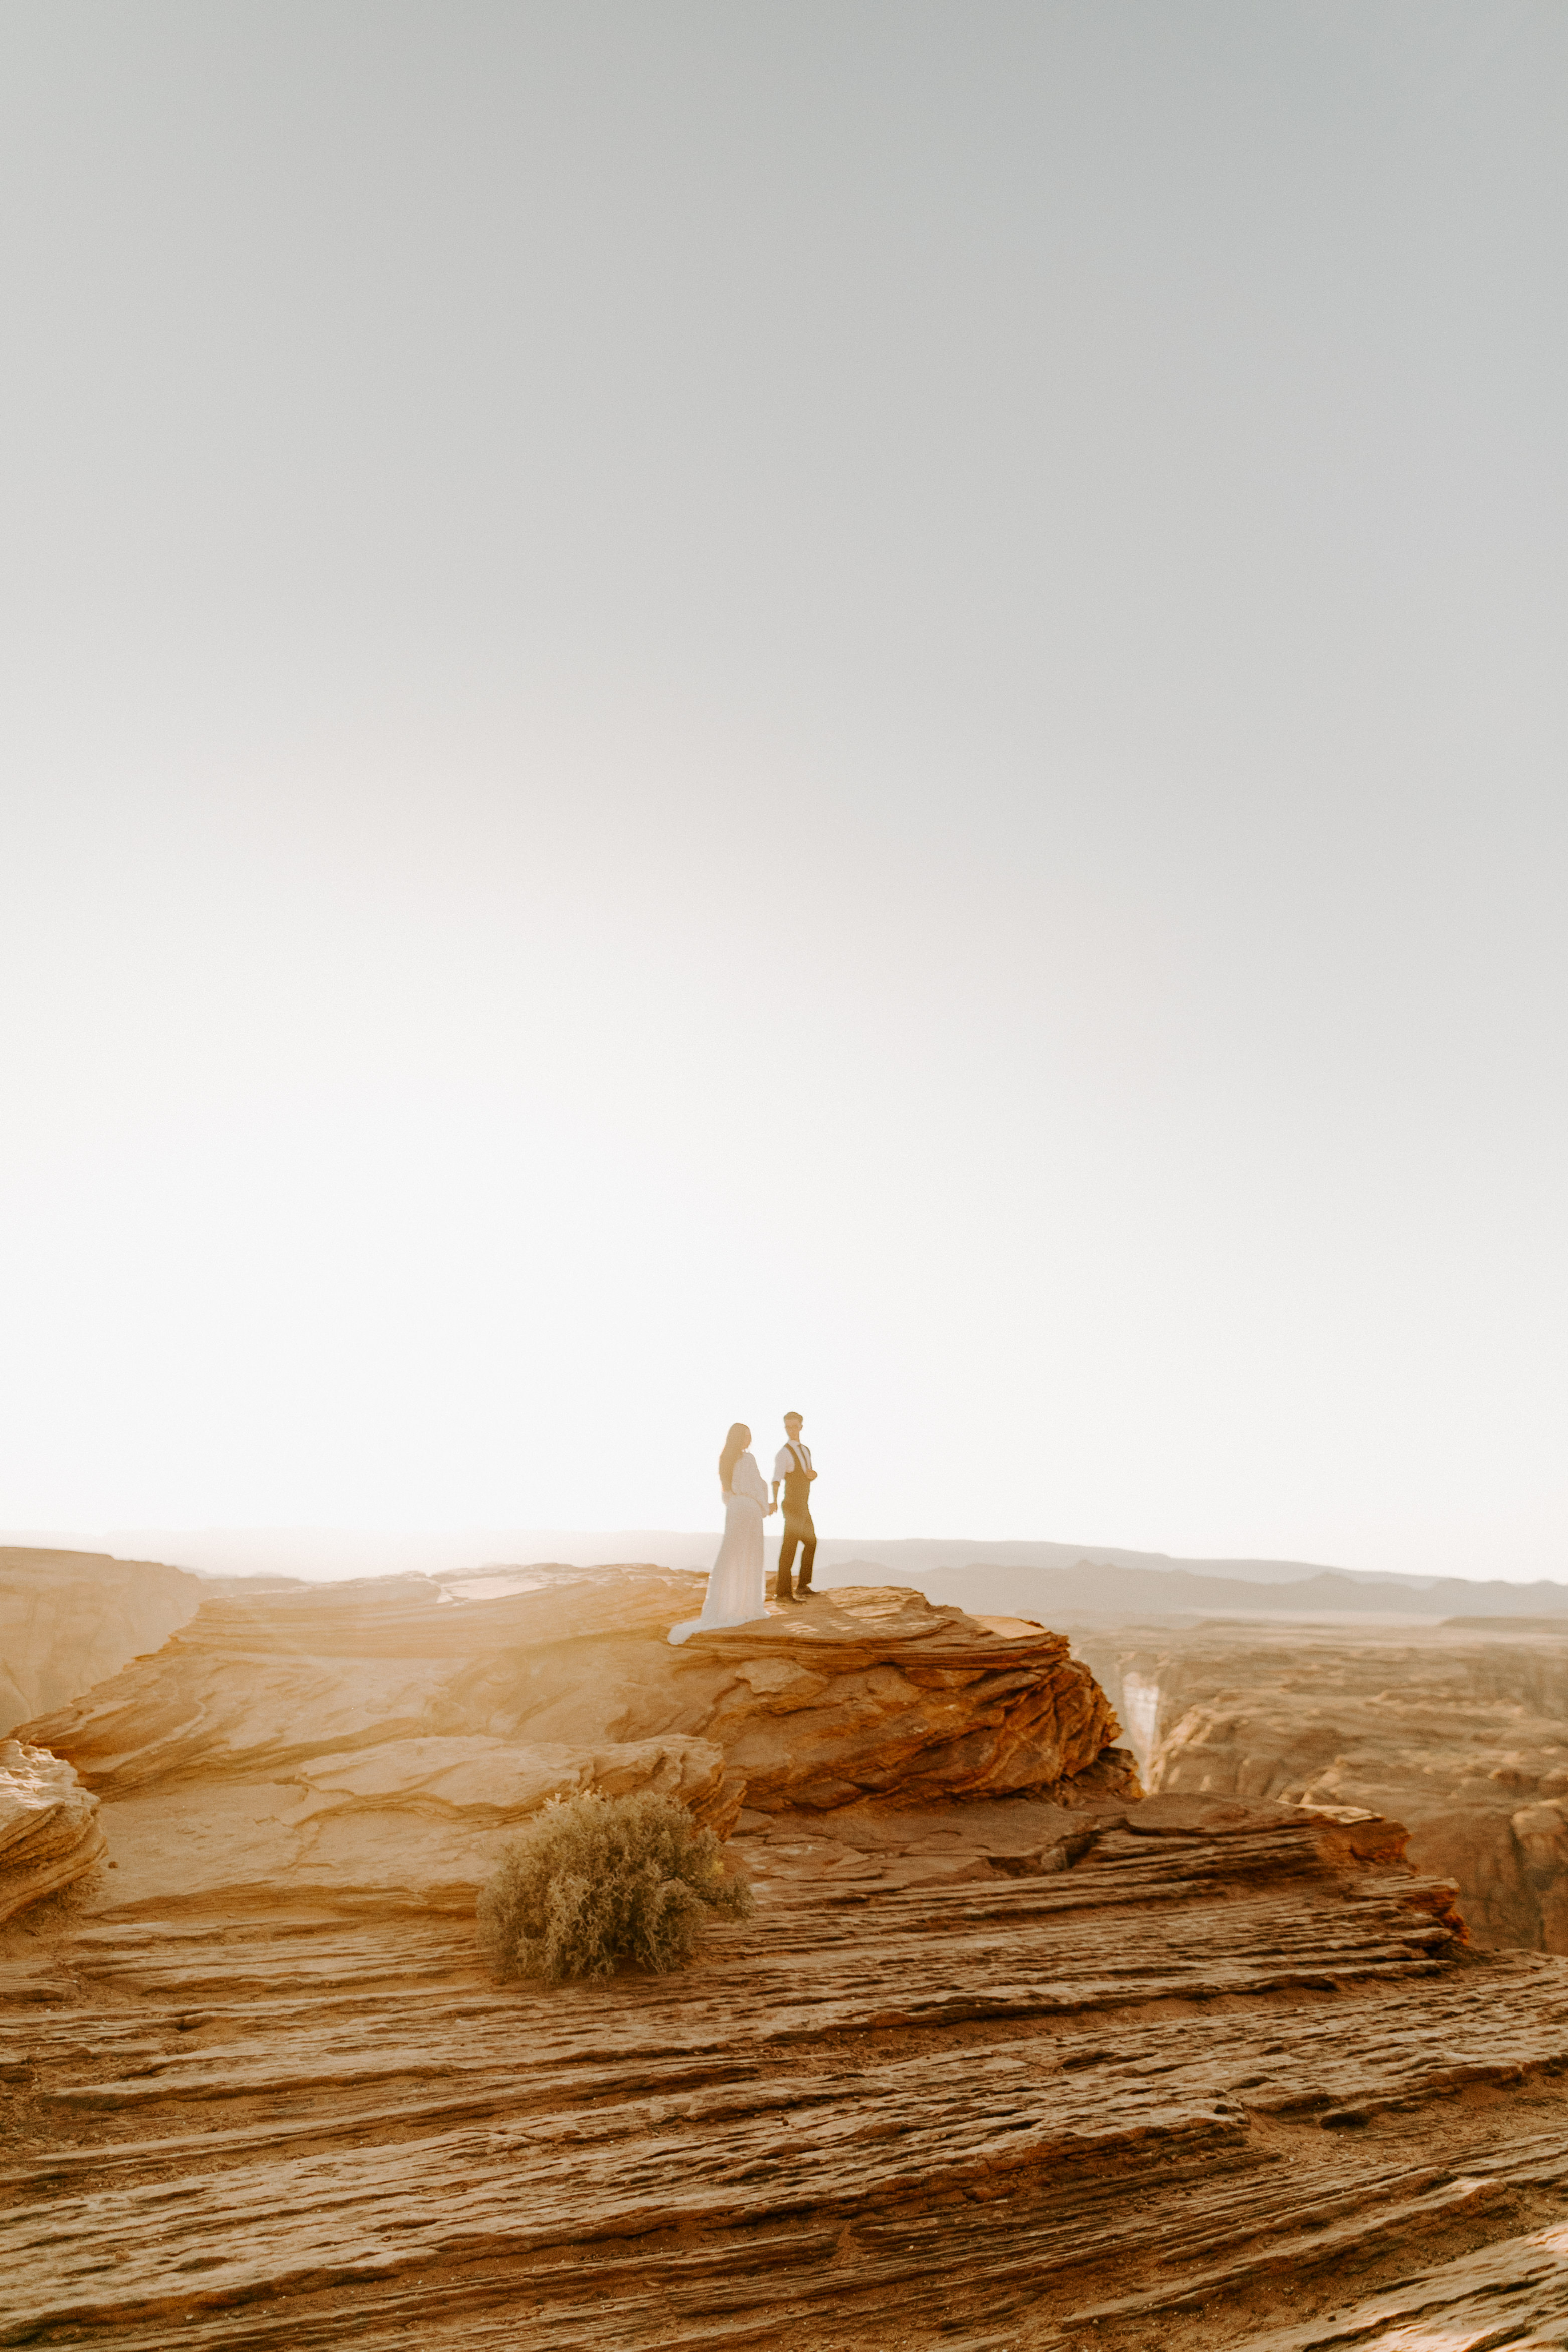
[{"x": 801, "y": 1532}]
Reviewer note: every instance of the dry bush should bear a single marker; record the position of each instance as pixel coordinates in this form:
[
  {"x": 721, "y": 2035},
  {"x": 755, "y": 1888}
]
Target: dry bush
[{"x": 593, "y": 1881}]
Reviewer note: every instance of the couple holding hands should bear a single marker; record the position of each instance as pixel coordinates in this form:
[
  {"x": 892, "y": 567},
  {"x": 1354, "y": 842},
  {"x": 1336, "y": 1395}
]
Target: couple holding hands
[{"x": 736, "y": 1587}]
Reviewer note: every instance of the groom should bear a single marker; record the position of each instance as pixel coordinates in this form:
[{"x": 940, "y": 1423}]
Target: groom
[{"x": 792, "y": 1470}]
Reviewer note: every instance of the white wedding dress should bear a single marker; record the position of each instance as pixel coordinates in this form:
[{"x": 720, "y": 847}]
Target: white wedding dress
[{"x": 737, "y": 1580}]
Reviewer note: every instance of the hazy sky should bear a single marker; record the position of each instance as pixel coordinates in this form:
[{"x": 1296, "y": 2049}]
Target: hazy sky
[{"x": 717, "y": 707}]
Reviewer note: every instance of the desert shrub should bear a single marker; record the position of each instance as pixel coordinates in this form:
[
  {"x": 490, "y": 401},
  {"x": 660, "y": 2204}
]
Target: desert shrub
[{"x": 593, "y": 1881}]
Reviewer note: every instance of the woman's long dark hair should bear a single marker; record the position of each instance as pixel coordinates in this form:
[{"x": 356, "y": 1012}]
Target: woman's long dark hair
[{"x": 735, "y": 1445}]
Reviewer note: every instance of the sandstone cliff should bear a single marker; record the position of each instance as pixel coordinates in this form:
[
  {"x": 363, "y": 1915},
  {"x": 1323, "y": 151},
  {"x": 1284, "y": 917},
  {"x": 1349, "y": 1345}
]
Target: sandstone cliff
[{"x": 69, "y": 1618}]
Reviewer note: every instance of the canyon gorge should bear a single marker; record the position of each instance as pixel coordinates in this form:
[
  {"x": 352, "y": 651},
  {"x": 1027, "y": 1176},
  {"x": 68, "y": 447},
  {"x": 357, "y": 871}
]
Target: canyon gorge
[{"x": 1458, "y": 1730}]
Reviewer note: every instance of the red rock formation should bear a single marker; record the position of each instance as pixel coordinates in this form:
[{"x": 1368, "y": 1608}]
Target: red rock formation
[
  {"x": 374, "y": 1742},
  {"x": 986, "y": 2070},
  {"x": 927, "y": 2098}
]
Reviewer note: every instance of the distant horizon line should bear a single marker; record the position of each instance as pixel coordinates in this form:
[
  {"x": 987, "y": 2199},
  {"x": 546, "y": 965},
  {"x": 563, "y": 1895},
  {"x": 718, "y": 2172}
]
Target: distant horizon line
[
  {"x": 456, "y": 1531},
  {"x": 835, "y": 1551}
]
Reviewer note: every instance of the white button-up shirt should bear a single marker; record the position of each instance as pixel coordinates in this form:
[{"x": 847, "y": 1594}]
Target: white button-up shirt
[{"x": 784, "y": 1461}]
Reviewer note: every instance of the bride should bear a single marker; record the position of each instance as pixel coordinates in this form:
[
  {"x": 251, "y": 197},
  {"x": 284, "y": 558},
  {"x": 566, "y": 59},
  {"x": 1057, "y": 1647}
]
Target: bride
[{"x": 736, "y": 1583}]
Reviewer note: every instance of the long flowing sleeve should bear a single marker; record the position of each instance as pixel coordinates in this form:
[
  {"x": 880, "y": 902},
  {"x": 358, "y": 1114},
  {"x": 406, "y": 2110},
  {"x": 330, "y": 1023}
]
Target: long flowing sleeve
[{"x": 746, "y": 1478}]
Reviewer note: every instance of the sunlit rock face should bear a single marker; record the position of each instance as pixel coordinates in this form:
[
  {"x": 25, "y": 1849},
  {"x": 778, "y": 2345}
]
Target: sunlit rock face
[
  {"x": 49, "y": 1834},
  {"x": 1000, "y": 2035},
  {"x": 69, "y": 1618},
  {"x": 1143, "y": 2073},
  {"x": 1458, "y": 1730},
  {"x": 377, "y": 1742}
]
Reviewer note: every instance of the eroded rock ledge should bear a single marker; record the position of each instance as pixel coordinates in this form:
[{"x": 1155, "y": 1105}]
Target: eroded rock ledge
[
  {"x": 994, "y": 2073},
  {"x": 376, "y": 1742},
  {"x": 49, "y": 1834}
]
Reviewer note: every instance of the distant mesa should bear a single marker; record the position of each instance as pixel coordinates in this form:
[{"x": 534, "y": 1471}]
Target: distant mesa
[
  {"x": 1032, "y": 1577},
  {"x": 1105, "y": 1590}
]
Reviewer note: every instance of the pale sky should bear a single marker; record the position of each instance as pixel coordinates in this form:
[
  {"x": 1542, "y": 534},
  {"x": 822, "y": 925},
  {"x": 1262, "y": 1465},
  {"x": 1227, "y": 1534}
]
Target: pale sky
[{"x": 722, "y": 707}]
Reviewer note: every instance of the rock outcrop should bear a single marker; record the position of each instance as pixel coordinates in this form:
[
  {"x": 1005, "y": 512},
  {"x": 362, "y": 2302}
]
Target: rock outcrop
[
  {"x": 1009, "y": 2058},
  {"x": 995, "y": 2073},
  {"x": 1459, "y": 1730},
  {"x": 70, "y": 1619},
  {"x": 376, "y": 1743},
  {"x": 49, "y": 1832}
]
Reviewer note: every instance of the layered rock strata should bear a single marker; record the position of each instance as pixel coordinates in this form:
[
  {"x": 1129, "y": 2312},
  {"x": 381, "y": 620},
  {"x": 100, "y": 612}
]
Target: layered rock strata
[
  {"x": 49, "y": 1834},
  {"x": 70, "y": 1619},
  {"x": 375, "y": 1743},
  {"x": 996, "y": 2074},
  {"x": 1459, "y": 1730},
  {"x": 1008, "y": 2057}
]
